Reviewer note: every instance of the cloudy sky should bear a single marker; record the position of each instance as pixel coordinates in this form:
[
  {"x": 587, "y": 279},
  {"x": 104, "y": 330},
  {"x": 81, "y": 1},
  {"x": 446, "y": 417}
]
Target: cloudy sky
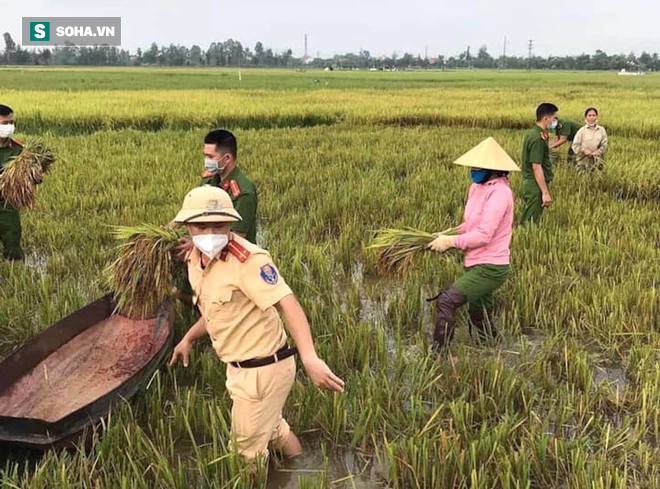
[{"x": 380, "y": 26}]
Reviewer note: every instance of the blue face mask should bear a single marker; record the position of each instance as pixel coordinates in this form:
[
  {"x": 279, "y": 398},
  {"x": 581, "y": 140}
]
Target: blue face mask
[
  {"x": 479, "y": 176},
  {"x": 553, "y": 126}
]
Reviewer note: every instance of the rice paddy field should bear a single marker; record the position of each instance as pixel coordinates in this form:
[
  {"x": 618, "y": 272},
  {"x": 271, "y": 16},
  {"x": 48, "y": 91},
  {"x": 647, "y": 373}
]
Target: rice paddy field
[{"x": 570, "y": 398}]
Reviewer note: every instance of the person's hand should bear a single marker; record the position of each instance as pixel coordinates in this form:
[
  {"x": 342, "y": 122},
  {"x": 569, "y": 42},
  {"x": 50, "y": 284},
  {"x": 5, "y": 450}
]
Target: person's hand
[
  {"x": 177, "y": 294},
  {"x": 442, "y": 243},
  {"x": 546, "y": 199},
  {"x": 321, "y": 375},
  {"x": 184, "y": 247},
  {"x": 182, "y": 351}
]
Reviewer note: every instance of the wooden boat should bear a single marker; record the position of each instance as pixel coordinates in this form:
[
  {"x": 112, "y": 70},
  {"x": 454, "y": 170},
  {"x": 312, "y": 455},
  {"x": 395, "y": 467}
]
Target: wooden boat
[{"x": 65, "y": 380}]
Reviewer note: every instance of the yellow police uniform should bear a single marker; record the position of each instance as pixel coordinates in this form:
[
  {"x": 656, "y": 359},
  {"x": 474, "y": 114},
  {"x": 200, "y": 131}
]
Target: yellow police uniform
[{"x": 236, "y": 294}]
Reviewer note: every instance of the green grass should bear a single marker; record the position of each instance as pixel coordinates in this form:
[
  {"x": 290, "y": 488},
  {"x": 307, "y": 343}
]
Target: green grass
[{"x": 570, "y": 398}]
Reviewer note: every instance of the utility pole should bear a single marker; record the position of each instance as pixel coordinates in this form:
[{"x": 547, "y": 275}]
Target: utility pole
[
  {"x": 504, "y": 55},
  {"x": 305, "y": 47},
  {"x": 531, "y": 46},
  {"x": 426, "y": 53}
]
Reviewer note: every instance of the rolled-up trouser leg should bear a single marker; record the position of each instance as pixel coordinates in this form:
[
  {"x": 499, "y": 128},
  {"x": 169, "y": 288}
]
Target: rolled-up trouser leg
[{"x": 447, "y": 304}]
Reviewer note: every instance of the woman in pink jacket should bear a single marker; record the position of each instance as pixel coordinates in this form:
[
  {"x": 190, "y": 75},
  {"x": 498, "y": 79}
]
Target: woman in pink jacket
[{"x": 485, "y": 236}]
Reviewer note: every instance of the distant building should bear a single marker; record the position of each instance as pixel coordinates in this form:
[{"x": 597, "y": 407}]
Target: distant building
[{"x": 625, "y": 72}]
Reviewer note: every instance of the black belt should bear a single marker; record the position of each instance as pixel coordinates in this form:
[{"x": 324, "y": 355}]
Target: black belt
[{"x": 281, "y": 354}]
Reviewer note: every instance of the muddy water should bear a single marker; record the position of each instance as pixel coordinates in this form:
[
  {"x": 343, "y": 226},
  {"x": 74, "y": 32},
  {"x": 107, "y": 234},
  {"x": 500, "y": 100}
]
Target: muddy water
[
  {"x": 341, "y": 468},
  {"x": 613, "y": 375}
]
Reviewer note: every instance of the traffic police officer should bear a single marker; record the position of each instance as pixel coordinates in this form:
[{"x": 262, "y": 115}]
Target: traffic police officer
[{"x": 241, "y": 296}]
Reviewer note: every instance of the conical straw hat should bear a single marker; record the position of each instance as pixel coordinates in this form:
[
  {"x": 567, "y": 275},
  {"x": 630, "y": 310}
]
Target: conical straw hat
[{"x": 488, "y": 155}]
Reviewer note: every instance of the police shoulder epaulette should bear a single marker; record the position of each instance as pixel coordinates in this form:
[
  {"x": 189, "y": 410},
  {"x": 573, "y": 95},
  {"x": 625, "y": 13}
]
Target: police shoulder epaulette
[
  {"x": 544, "y": 136},
  {"x": 17, "y": 143},
  {"x": 235, "y": 188},
  {"x": 235, "y": 249}
]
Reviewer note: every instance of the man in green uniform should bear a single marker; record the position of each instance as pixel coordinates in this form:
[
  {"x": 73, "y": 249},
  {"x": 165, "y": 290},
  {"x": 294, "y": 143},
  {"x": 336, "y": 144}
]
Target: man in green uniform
[
  {"x": 536, "y": 166},
  {"x": 565, "y": 132},
  {"x": 10, "y": 222},
  {"x": 221, "y": 170},
  {"x": 220, "y": 152}
]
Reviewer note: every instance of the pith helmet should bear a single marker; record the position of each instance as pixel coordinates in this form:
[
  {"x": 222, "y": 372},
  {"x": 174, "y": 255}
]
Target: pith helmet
[
  {"x": 488, "y": 155},
  {"x": 207, "y": 204}
]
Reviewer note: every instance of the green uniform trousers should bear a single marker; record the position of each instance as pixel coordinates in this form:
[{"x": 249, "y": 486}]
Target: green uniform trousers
[
  {"x": 555, "y": 156},
  {"x": 10, "y": 232},
  {"x": 571, "y": 156},
  {"x": 532, "y": 201},
  {"x": 479, "y": 282}
]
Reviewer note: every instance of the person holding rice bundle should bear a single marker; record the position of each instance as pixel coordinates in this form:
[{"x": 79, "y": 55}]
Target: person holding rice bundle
[
  {"x": 564, "y": 133},
  {"x": 241, "y": 295},
  {"x": 485, "y": 236},
  {"x": 590, "y": 143},
  {"x": 10, "y": 220}
]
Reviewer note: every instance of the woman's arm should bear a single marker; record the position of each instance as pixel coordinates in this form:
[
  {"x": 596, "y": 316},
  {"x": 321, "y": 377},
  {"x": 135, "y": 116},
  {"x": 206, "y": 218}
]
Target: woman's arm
[
  {"x": 577, "y": 142},
  {"x": 602, "y": 148}
]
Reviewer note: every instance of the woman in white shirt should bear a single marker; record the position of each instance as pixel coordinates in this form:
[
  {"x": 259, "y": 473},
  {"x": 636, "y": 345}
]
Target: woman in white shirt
[{"x": 590, "y": 143}]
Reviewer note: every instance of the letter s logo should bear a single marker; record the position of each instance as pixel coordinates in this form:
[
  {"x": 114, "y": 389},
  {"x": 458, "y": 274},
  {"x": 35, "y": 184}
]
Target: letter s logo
[{"x": 39, "y": 31}]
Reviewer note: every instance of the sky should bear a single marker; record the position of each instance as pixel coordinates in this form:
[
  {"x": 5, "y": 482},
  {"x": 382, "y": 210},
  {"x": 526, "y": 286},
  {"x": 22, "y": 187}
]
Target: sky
[{"x": 558, "y": 27}]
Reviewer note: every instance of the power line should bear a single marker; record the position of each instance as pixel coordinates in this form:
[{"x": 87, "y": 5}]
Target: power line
[{"x": 504, "y": 55}]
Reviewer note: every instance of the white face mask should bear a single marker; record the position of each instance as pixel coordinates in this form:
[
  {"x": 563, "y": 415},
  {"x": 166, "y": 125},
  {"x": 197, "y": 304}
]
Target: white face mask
[
  {"x": 6, "y": 130},
  {"x": 213, "y": 166},
  {"x": 210, "y": 244},
  {"x": 591, "y": 124}
]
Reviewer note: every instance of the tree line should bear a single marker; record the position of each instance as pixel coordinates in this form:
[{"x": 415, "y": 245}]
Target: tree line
[{"x": 232, "y": 53}]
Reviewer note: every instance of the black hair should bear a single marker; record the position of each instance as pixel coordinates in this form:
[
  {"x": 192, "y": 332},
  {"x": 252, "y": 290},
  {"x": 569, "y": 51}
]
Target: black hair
[
  {"x": 224, "y": 141},
  {"x": 5, "y": 110},
  {"x": 586, "y": 112},
  {"x": 545, "y": 110}
]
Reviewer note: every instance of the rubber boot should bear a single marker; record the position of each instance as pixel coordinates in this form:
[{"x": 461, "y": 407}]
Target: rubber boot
[
  {"x": 448, "y": 302},
  {"x": 480, "y": 319}
]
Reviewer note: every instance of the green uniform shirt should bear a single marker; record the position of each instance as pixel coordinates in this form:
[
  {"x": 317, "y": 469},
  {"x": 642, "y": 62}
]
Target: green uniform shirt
[
  {"x": 12, "y": 149},
  {"x": 568, "y": 128},
  {"x": 9, "y": 151},
  {"x": 243, "y": 194},
  {"x": 535, "y": 149}
]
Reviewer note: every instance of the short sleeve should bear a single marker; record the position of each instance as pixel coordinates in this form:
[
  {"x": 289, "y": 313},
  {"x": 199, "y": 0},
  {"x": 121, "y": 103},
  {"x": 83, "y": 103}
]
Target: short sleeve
[
  {"x": 246, "y": 205},
  {"x": 537, "y": 151},
  {"x": 262, "y": 283}
]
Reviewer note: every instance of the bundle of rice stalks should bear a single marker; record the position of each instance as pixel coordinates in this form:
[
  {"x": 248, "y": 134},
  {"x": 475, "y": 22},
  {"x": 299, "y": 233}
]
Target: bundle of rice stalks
[
  {"x": 396, "y": 248},
  {"x": 22, "y": 174},
  {"x": 145, "y": 270}
]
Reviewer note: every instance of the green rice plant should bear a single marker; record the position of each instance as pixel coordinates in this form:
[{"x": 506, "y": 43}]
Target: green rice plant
[
  {"x": 144, "y": 272},
  {"x": 397, "y": 248},
  {"x": 22, "y": 174}
]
